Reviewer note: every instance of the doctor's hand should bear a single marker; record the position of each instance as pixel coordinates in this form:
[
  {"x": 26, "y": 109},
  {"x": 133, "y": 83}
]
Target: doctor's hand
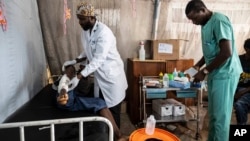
[
  {"x": 71, "y": 62},
  {"x": 79, "y": 76},
  {"x": 199, "y": 76}
]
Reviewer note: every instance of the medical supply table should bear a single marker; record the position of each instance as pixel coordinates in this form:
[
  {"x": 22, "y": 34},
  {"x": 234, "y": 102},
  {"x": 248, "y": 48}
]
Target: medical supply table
[{"x": 161, "y": 93}]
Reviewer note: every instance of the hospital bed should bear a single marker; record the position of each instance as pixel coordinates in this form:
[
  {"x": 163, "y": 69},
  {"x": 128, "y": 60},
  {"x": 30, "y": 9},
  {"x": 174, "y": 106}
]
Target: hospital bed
[{"x": 40, "y": 120}]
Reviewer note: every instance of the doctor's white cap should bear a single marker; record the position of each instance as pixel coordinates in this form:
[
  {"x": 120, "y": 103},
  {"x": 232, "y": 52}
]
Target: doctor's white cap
[{"x": 85, "y": 9}]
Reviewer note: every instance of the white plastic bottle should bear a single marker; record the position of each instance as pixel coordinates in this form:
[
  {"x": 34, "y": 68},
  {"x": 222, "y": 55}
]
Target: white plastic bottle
[
  {"x": 150, "y": 125},
  {"x": 175, "y": 73},
  {"x": 165, "y": 80},
  {"x": 142, "y": 51}
]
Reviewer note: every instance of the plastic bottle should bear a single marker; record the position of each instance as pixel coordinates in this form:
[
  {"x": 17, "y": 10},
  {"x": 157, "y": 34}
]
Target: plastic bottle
[
  {"x": 161, "y": 77},
  {"x": 150, "y": 125},
  {"x": 142, "y": 51},
  {"x": 165, "y": 80},
  {"x": 175, "y": 73}
]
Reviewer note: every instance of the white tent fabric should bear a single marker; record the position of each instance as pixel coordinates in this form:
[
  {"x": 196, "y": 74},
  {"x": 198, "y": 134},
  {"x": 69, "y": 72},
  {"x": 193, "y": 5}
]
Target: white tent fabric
[{"x": 22, "y": 57}]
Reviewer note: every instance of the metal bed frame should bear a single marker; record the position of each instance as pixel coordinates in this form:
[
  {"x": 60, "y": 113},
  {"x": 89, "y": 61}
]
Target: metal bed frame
[{"x": 51, "y": 124}]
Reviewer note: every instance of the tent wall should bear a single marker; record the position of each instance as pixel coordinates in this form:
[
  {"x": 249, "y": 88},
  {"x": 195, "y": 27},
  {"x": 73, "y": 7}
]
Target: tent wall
[
  {"x": 132, "y": 21},
  {"x": 22, "y": 57}
]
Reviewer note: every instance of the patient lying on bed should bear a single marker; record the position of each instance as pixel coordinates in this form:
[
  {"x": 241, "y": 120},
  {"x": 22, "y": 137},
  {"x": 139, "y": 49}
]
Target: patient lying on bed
[{"x": 69, "y": 99}]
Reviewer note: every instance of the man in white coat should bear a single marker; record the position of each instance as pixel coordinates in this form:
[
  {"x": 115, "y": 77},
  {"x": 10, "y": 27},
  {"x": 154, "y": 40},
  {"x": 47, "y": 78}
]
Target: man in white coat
[{"x": 99, "y": 48}]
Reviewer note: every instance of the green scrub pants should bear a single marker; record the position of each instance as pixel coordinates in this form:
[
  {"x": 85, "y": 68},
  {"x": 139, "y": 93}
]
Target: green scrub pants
[{"x": 220, "y": 104}]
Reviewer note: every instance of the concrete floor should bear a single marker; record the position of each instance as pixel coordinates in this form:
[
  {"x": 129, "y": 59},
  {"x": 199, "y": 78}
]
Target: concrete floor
[{"x": 184, "y": 131}]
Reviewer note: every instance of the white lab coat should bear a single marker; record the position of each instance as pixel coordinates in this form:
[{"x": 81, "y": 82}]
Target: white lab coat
[{"x": 104, "y": 60}]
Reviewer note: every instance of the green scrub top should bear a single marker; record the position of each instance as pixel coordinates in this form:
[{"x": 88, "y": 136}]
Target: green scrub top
[
  {"x": 211, "y": 34},
  {"x": 222, "y": 81}
]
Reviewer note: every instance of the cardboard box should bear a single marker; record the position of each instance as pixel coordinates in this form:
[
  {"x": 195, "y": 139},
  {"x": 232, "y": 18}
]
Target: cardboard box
[
  {"x": 170, "y": 49},
  {"x": 179, "y": 109},
  {"x": 161, "y": 107}
]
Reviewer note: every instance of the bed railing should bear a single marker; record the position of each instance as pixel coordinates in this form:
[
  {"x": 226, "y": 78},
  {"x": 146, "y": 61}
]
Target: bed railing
[{"x": 51, "y": 124}]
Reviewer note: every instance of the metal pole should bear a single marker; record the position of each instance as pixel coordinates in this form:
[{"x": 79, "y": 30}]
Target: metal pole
[
  {"x": 22, "y": 133},
  {"x": 52, "y": 132},
  {"x": 81, "y": 131},
  {"x": 156, "y": 18}
]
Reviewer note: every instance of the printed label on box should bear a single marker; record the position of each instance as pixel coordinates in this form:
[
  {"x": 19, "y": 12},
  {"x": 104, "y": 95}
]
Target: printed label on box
[
  {"x": 178, "y": 110},
  {"x": 165, "y": 48}
]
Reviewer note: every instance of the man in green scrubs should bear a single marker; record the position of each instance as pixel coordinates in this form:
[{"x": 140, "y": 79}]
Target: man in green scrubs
[{"x": 222, "y": 66}]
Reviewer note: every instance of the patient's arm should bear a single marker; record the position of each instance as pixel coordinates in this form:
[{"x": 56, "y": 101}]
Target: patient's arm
[
  {"x": 242, "y": 92},
  {"x": 73, "y": 83}
]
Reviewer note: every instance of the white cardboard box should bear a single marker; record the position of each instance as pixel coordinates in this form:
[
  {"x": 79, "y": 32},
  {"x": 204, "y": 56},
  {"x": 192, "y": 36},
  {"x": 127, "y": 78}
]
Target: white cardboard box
[
  {"x": 178, "y": 108},
  {"x": 161, "y": 107}
]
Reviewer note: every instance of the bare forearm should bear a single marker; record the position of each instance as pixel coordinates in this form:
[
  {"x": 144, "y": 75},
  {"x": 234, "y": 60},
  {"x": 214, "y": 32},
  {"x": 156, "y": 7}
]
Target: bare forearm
[
  {"x": 222, "y": 57},
  {"x": 242, "y": 92},
  {"x": 200, "y": 63},
  {"x": 246, "y": 90},
  {"x": 218, "y": 61}
]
